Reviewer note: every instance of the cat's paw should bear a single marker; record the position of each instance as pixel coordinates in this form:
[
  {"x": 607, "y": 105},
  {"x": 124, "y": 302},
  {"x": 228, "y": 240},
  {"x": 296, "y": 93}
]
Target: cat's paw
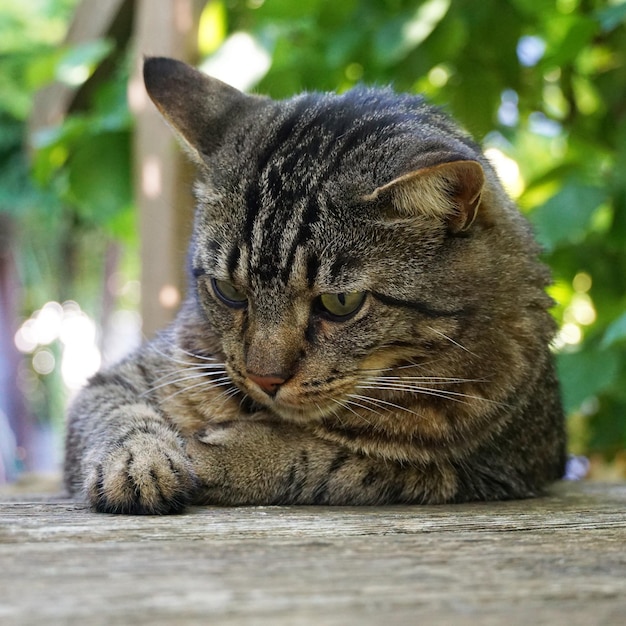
[
  {"x": 142, "y": 473},
  {"x": 234, "y": 462}
]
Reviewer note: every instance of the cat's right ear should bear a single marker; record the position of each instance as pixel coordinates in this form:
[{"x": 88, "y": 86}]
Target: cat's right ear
[
  {"x": 450, "y": 192},
  {"x": 198, "y": 107}
]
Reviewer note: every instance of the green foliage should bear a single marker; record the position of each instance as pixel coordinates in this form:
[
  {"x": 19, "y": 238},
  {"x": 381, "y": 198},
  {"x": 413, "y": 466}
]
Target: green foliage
[
  {"x": 76, "y": 180},
  {"x": 566, "y": 217},
  {"x": 66, "y": 189}
]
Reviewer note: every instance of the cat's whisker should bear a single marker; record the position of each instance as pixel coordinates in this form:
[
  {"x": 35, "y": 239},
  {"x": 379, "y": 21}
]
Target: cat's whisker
[
  {"x": 456, "y": 343},
  {"x": 393, "y": 368},
  {"x": 173, "y": 359},
  {"x": 208, "y": 371},
  {"x": 346, "y": 405},
  {"x": 369, "y": 409},
  {"x": 441, "y": 393},
  {"x": 418, "y": 390},
  {"x": 228, "y": 392},
  {"x": 226, "y": 395},
  {"x": 183, "y": 379},
  {"x": 319, "y": 409},
  {"x": 205, "y": 383},
  {"x": 335, "y": 411},
  {"x": 195, "y": 355},
  {"x": 434, "y": 380},
  {"x": 381, "y": 402}
]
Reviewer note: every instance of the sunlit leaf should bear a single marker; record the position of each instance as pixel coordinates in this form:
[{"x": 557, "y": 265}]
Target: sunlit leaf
[
  {"x": 534, "y": 7},
  {"x": 99, "y": 177},
  {"x": 400, "y": 35},
  {"x": 615, "y": 333},
  {"x": 611, "y": 17},
  {"x": 584, "y": 374},
  {"x": 566, "y": 216},
  {"x": 578, "y": 31},
  {"x": 212, "y": 28},
  {"x": 80, "y": 61}
]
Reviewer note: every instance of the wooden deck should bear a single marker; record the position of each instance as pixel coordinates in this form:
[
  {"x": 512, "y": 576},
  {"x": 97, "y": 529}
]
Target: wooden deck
[{"x": 556, "y": 560}]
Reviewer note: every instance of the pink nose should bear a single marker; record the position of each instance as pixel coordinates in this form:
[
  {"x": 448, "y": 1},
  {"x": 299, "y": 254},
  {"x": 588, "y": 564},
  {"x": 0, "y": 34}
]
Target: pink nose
[{"x": 269, "y": 384}]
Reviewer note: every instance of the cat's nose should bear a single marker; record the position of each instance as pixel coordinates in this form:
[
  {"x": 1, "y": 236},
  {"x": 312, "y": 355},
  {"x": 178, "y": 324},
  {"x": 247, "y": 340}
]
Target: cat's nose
[{"x": 269, "y": 384}]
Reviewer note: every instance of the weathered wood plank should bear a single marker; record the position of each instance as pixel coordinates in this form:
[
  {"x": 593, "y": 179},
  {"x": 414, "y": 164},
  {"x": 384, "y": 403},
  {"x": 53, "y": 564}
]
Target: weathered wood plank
[{"x": 554, "y": 560}]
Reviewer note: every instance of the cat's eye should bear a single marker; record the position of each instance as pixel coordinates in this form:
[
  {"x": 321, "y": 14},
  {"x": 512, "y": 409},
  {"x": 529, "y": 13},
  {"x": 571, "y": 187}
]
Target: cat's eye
[
  {"x": 340, "y": 306},
  {"x": 229, "y": 294}
]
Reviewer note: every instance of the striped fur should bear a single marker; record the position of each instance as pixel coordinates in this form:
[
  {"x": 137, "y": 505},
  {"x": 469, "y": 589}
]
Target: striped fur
[{"x": 437, "y": 385}]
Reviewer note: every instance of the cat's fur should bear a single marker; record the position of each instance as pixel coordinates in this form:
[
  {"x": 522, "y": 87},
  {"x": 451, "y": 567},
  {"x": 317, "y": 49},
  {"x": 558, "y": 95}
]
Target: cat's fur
[{"x": 439, "y": 388}]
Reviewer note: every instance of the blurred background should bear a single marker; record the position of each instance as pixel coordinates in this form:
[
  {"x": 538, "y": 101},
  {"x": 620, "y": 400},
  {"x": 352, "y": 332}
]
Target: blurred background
[{"x": 95, "y": 197}]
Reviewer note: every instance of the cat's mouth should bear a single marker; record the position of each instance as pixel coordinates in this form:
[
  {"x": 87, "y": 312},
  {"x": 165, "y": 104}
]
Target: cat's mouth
[
  {"x": 291, "y": 401},
  {"x": 291, "y": 404},
  {"x": 299, "y": 399}
]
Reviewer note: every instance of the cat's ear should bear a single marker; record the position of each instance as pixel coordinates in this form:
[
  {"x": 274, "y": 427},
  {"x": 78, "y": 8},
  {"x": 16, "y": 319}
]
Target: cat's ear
[
  {"x": 449, "y": 191},
  {"x": 198, "y": 107}
]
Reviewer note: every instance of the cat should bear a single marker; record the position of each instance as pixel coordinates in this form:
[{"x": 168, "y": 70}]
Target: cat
[{"x": 366, "y": 320}]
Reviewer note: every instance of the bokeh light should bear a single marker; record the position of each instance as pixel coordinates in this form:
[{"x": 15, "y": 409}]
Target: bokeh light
[{"x": 77, "y": 336}]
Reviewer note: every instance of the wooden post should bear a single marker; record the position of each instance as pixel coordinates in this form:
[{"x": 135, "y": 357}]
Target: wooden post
[{"x": 163, "y": 177}]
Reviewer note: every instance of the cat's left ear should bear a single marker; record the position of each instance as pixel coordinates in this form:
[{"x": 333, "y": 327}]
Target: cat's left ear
[
  {"x": 199, "y": 108},
  {"x": 448, "y": 191}
]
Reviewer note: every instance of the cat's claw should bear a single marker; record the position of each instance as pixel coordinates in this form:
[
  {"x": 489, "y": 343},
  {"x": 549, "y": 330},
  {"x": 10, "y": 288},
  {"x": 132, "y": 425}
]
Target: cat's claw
[{"x": 141, "y": 476}]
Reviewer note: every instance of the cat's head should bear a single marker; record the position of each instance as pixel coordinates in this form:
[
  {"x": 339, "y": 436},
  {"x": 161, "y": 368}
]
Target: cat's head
[{"x": 338, "y": 238}]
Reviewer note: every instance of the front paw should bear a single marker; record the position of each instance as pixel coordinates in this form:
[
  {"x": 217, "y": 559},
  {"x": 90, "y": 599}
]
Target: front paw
[
  {"x": 234, "y": 463},
  {"x": 143, "y": 473}
]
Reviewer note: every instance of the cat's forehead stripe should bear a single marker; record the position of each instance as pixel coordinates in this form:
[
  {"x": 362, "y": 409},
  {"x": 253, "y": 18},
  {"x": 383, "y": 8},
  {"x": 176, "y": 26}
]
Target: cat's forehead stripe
[{"x": 283, "y": 200}]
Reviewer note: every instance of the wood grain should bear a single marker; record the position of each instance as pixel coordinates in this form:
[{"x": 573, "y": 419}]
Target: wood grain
[{"x": 554, "y": 560}]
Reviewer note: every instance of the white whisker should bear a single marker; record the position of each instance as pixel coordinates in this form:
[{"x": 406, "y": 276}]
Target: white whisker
[
  {"x": 440, "y": 393},
  {"x": 207, "y": 369},
  {"x": 346, "y": 405},
  {"x": 226, "y": 395},
  {"x": 427, "y": 379},
  {"x": 379, "y": 401},
  {"x": 204, "y": 383},
  {"x": 456, "y": 343},
  {"x": 393, "y": 368},
  {"x": 173, "y": 359},
  {"x": 195, "y": 355},
  {"x": 182, "y": 379}
]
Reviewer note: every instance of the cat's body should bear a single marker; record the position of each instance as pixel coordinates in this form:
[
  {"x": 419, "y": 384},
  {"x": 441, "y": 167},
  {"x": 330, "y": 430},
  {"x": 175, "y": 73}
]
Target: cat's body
[{"x": 366, "y": 320}]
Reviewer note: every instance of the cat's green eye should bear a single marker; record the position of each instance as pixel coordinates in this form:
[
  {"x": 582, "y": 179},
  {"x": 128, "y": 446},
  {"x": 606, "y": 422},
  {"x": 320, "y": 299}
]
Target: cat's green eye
[
  {"x": 229, "y": 294},
  {"x": 341, "y": 306}
]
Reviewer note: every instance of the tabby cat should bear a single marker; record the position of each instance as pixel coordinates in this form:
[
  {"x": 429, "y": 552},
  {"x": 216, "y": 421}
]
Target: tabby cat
[{"x": 366, "y": 321}]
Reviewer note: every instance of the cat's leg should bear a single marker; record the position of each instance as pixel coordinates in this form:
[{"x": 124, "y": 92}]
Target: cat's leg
[
  {"x": 122, "y": 454},
  {"x": 270, "y": 463}
]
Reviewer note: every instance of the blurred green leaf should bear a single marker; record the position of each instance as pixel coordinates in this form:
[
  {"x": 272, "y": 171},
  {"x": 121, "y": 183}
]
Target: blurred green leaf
[
  {"x": 534, "y": 8},
  {"x": 566, "y": 35},
  {"x": 612, "y": 16},
  {"x": 585, "y": 374},
  {"x": 566, "y": 216},
  {"x": 100, "y": 177},
  {"x": 80, "y": 61},
  {"x": 615, "y": 333},
  {"x": 395, "y": 39}
]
